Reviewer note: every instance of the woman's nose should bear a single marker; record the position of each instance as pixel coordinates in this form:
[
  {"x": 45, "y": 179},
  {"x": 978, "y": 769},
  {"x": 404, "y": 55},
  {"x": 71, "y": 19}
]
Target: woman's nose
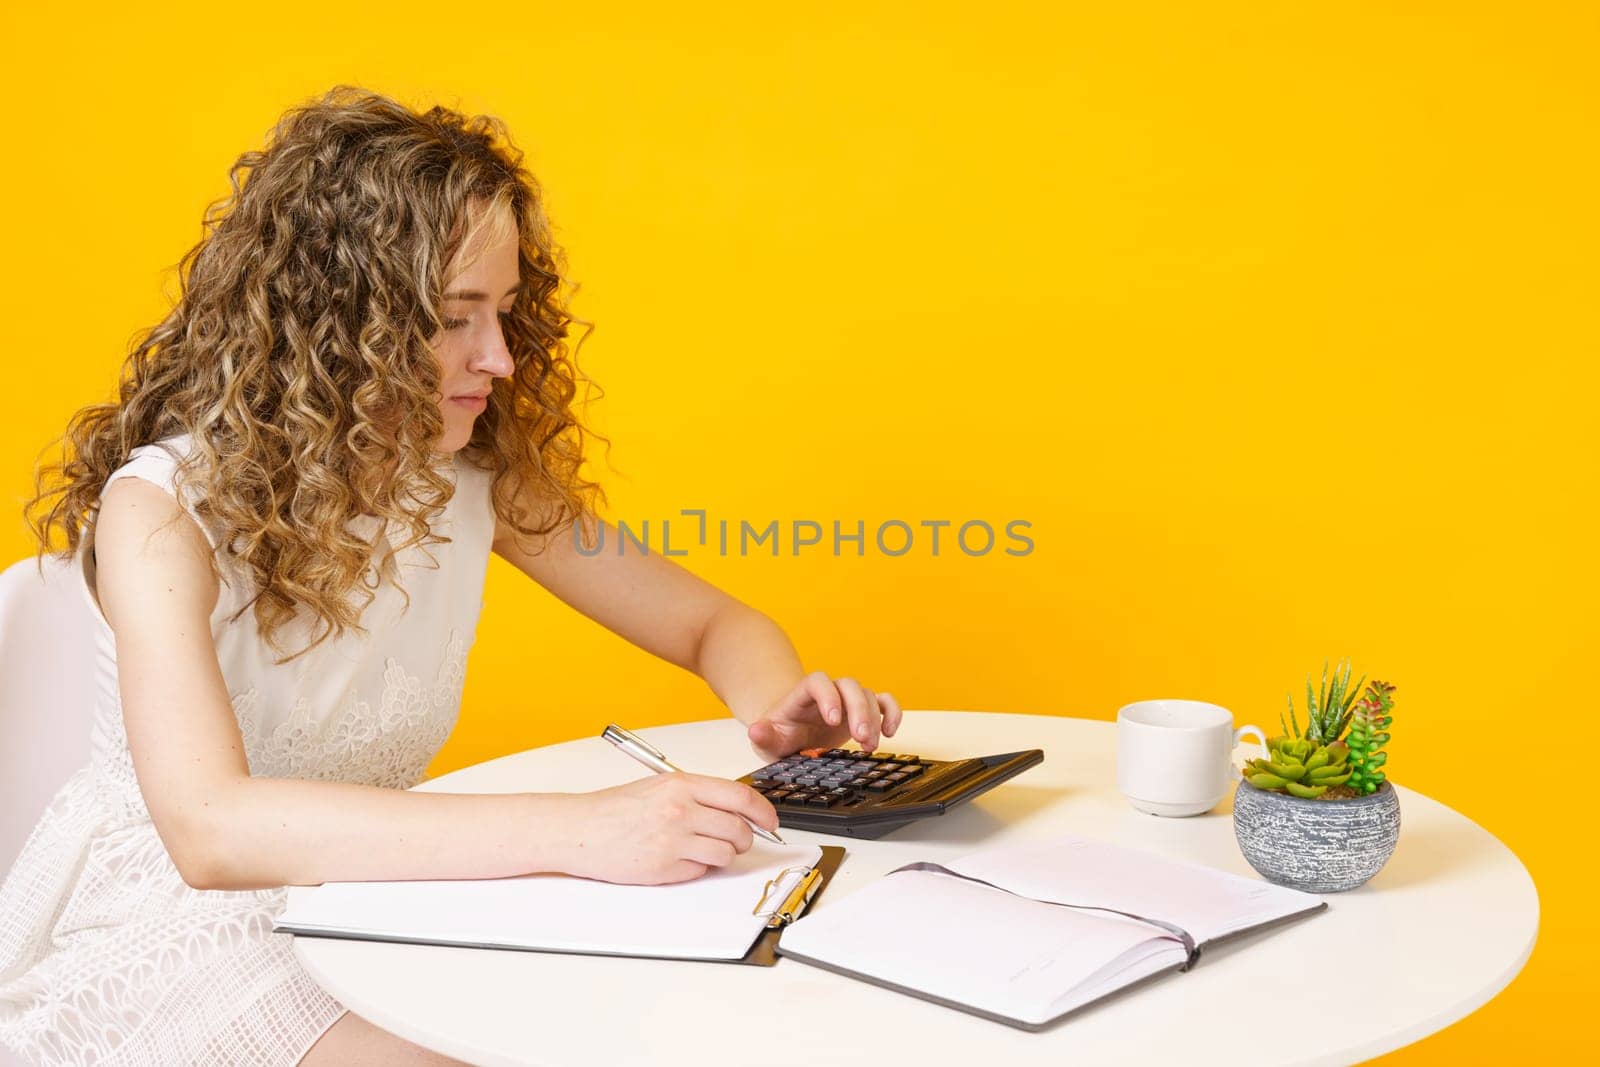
[{"x": 494, "y": 358}]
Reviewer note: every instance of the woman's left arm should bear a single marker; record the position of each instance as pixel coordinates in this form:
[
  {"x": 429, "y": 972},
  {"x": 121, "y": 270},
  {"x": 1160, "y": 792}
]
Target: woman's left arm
[{"x": 743, "y": 655}]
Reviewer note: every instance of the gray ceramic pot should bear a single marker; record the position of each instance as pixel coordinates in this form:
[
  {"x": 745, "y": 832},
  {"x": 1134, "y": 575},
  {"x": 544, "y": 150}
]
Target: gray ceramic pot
[{"x": 1320, "y": 846}]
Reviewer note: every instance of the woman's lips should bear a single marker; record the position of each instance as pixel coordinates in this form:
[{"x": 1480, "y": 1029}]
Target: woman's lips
[{"x": 474, "y": 403}]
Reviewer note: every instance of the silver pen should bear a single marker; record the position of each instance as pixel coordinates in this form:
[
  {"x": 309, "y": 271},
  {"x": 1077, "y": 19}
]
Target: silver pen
[{"x": 656, "y": 760}]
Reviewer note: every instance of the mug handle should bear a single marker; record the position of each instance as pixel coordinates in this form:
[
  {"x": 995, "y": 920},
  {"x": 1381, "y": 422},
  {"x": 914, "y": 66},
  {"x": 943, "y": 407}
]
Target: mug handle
[{"x": 1261, "y": 739}]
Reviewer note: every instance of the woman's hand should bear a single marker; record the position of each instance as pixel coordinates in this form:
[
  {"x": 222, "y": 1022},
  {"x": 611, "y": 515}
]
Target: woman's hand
[
  {"x": 663, "y": 828},
  {"x": 821, "y": 712}
]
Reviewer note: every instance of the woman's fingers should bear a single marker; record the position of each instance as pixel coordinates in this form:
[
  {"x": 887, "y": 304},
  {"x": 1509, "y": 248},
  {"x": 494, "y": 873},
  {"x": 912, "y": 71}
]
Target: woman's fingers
[
  {"x": 724, "y": 826},
  {"x": 818, "y": 709},
  {"x": 861, "y": 705},
  {"x": 711, "y": 851},
  {"x": 735, "y": 800},
  {"x": 821, "y": 689},
  {"x": 716, "y": 837},
  {"x": 891, "y": 713}
]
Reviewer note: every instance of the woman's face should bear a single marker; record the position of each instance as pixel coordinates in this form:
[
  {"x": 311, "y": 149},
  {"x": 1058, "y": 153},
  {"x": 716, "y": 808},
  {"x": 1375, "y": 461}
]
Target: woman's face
[{"x": 472, "y": 346}]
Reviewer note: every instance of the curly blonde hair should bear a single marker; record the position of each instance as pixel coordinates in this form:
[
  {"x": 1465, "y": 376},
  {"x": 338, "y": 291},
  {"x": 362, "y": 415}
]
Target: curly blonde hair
[{"x": 298, "y": 356}]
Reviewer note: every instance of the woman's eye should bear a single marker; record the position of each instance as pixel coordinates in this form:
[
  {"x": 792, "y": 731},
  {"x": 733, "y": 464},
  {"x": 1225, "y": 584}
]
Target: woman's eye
[{"x": 456, "y": 324}]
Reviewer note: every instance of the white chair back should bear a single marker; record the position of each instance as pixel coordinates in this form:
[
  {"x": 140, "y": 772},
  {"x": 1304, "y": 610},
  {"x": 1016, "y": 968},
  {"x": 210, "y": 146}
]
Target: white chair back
[{"x": 47, "y": 694}]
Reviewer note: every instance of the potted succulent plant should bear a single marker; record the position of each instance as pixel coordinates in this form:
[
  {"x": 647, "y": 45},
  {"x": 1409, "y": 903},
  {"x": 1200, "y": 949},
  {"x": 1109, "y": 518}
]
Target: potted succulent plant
[{"x": 1318, "y": 813}]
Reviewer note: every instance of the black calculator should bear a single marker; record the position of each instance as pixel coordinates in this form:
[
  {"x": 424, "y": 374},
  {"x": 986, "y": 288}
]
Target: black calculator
[{"x": 869, "y": 794}]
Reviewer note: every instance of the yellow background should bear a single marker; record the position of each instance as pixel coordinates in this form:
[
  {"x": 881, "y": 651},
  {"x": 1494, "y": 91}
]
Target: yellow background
[{"x": 1276, "y": 323}]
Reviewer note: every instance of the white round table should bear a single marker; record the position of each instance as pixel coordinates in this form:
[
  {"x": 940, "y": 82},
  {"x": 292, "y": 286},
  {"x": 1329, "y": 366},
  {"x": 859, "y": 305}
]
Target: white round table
[{"x": 1441, "y": 929}]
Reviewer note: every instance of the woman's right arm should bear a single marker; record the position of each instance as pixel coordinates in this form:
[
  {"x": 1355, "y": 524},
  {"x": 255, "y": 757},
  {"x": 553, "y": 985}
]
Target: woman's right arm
[{"x": 227, "y": 830}]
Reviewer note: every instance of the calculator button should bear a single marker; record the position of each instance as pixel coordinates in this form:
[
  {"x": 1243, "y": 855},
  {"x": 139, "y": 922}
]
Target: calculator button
[
  {"x": 880, "y": 756},
  {"x": 899, "y": 777},
  {"x": 760, "y": 784},
  {"x": 812, "y": 753},
  {"x": 912, "y": 769},
  {"x": 806, "y": 779},
  {"x": 832, "y": 783},
  {"x": 888, "y": 766},
  {"x": 882, "y": 785},
  {"x": 784, "y": 778},
  {"x": 836, "y": 753},
  {"x": 841, "y": 792},
  {"x": 908, "y": 759},
  {"x": 799, "y": 796},
  {"x": 826, "y": 800},
  {"x": 777, "y": 794}
]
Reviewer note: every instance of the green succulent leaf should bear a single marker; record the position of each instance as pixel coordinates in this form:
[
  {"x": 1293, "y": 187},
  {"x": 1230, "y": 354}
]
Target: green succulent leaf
[
  {"x": 1332, "y": 695},
  {"x": 1293, "y": 770},
  {"x": 1311, "y": 709}
]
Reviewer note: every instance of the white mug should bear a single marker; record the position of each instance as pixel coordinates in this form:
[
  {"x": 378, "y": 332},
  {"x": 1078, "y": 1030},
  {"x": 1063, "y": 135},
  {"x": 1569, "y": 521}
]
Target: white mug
[{"x": 1175, "y": 757}]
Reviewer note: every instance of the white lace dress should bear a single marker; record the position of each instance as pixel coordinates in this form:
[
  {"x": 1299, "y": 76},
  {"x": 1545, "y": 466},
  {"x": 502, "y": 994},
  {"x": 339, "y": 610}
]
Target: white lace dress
[{"x": 106, "y": 955}]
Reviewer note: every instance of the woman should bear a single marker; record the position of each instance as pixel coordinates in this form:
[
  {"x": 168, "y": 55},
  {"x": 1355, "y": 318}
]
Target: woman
[{"x": 283, "y": 526}]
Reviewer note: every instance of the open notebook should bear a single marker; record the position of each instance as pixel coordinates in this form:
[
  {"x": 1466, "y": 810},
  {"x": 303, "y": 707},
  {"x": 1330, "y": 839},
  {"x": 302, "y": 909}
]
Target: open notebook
[
  {"x": 1028, "y": 933},
  {"x": 722, "y": 915}
]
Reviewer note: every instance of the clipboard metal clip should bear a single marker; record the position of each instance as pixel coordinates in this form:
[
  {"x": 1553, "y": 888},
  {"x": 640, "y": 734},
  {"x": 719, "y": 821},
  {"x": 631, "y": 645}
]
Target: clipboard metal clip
[{"x": 795, "y": 903}]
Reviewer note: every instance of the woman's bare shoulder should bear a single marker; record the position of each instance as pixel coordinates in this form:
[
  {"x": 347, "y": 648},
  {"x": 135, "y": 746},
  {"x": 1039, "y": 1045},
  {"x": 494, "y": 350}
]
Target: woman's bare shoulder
[{"x": 148, "y": 550}]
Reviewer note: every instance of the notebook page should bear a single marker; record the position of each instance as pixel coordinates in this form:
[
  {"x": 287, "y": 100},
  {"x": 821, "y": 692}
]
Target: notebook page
[
  {"x": 975, "y": 945},
  {"x": 1147, "y": 959},
  {"x": 709, "y": 917},
  {"x": 1066, "y": 869}
]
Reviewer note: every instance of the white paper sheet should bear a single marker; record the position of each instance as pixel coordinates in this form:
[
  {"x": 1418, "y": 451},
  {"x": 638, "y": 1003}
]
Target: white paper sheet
[
  {"x": 710, "y": 917},
  {"x": 1206, "y": 902},
  {"x": 978, "y": 946}
]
